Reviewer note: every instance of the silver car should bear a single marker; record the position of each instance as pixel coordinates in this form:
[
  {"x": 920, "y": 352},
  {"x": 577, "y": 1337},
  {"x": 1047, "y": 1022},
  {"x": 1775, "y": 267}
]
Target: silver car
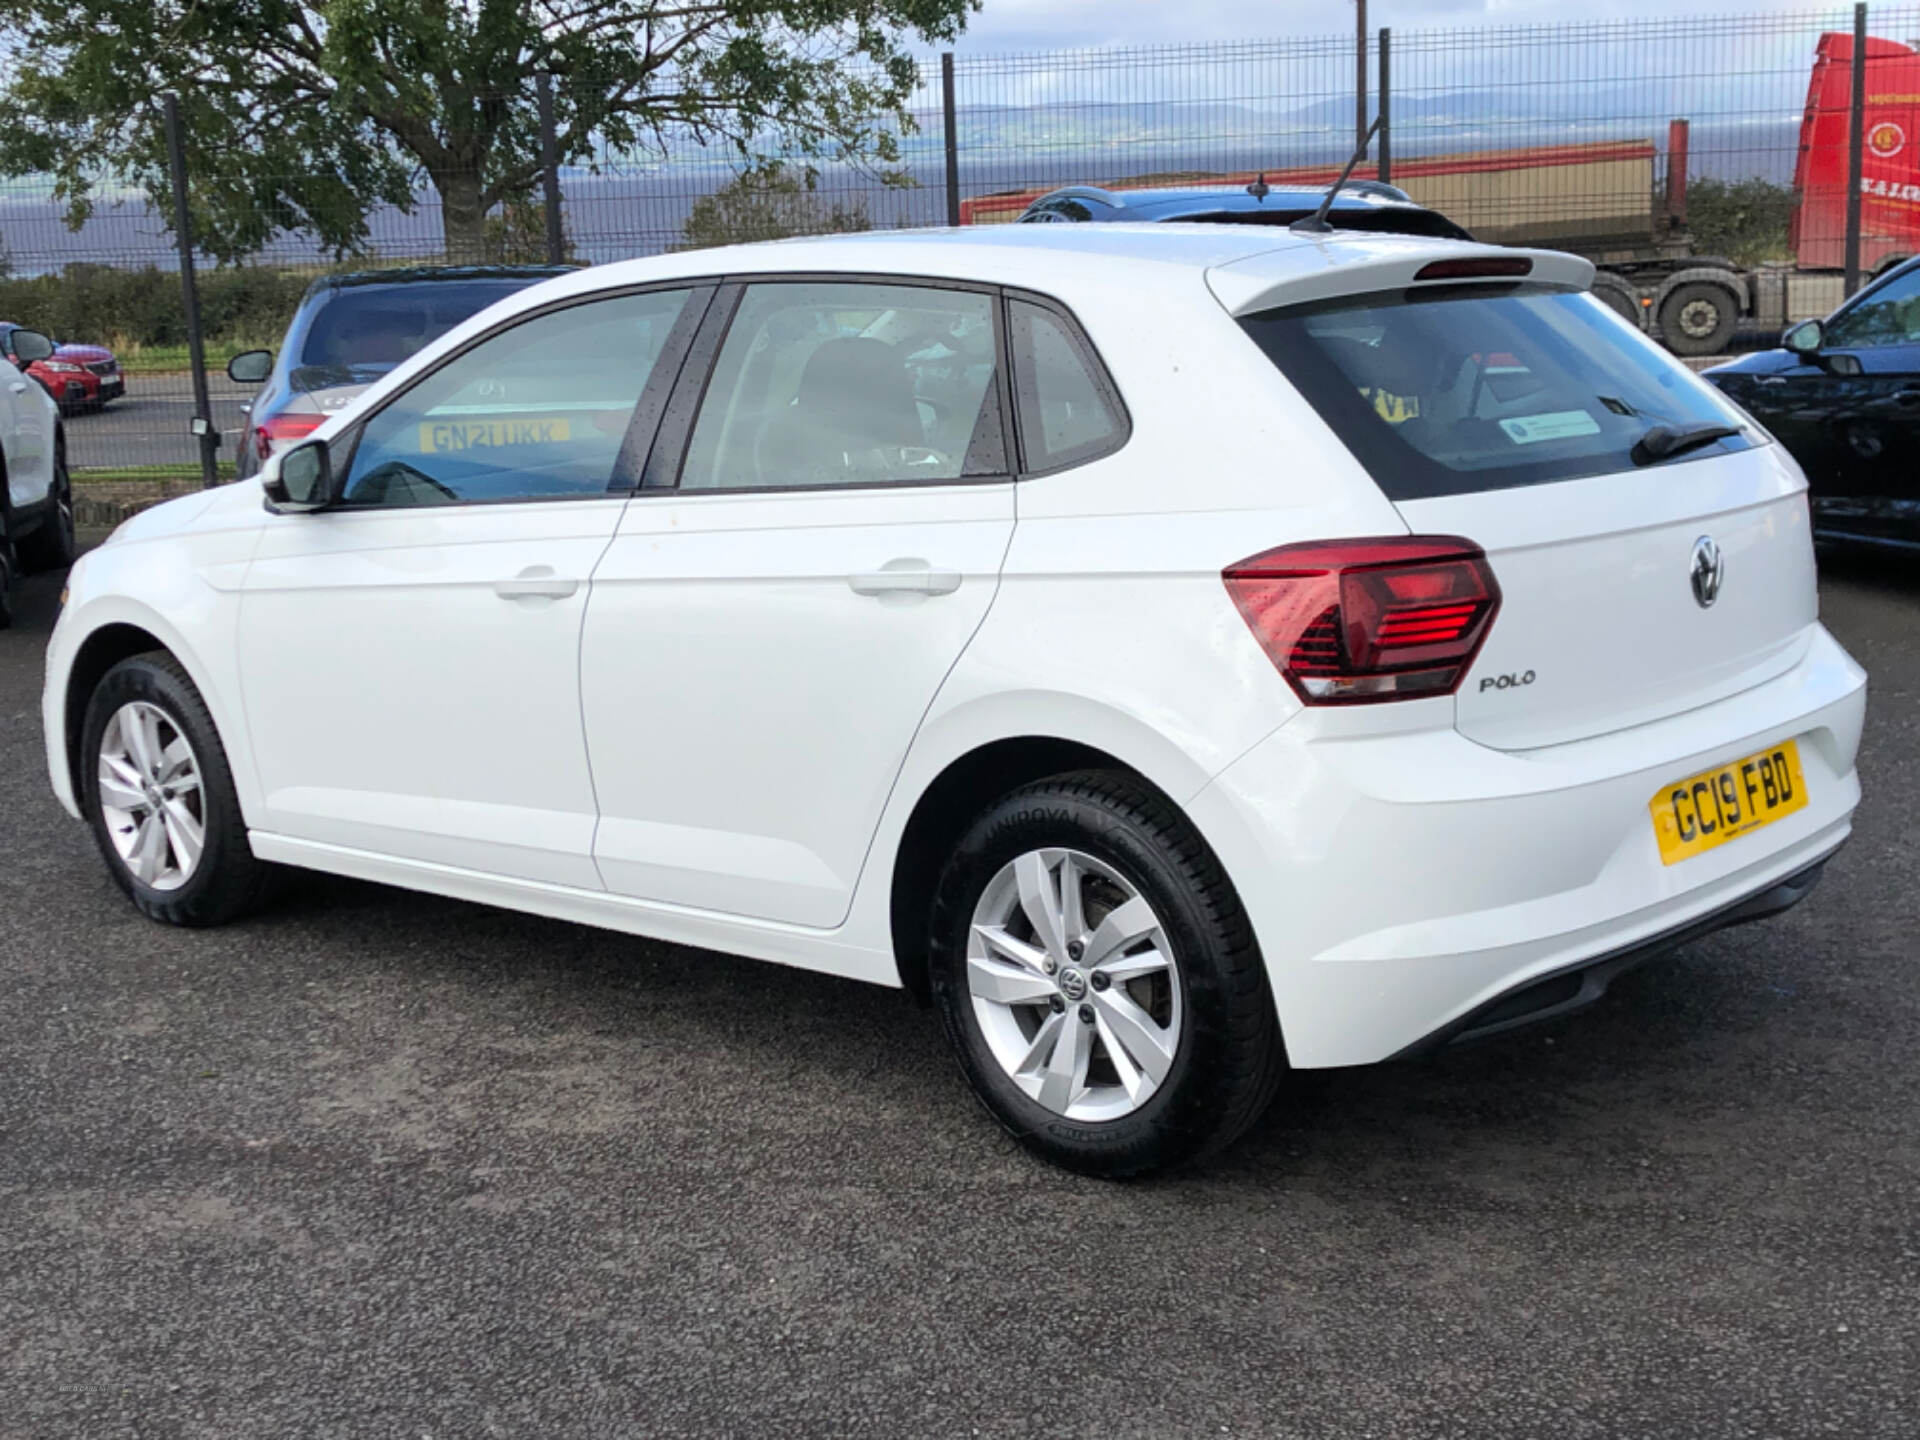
[{"x": 350, "y": 330}]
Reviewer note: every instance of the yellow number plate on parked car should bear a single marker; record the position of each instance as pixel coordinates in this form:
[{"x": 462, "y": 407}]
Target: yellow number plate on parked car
[
  {"x": 453, "y": 435},
  {"x": 1715, "y": 806}
]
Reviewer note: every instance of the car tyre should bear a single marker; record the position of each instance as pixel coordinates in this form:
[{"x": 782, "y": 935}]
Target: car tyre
[
  {"x": 156, "y": 717},
  {"x": 52, "y": 546},
  {"x": 1132, "y": 845}
]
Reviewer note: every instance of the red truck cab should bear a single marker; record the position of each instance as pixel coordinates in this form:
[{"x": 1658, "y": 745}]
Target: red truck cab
[{"x": 1890, "y": 158}]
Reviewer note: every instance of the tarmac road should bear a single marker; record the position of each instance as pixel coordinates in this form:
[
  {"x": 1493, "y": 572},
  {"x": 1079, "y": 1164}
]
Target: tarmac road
[
  {"x": 382, "y": 1165},
  {"x": 148, "y": 425}
]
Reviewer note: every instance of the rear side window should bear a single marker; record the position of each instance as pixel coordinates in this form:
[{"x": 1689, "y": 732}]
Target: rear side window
[
  {"x": 1450, "y": 391},
  {"x": 1067, "y": 413},
  {"x": 836, "y": 384}
]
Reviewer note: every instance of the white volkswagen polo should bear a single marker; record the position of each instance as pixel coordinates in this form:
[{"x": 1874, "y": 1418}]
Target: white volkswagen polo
[{"x": 1181, "y": 653}]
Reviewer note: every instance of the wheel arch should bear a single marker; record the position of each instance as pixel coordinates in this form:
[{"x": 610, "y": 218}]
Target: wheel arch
[
  {"x": 119, "y": 635},
  {"x": 971, "y": 777}
]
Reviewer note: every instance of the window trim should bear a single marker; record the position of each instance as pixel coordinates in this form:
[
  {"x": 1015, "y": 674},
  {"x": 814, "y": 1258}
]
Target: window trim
[
  {"x": 666, "y": 374},
  {"x": 1090, "y": 360},
  {"x": 673, "y": 446}
]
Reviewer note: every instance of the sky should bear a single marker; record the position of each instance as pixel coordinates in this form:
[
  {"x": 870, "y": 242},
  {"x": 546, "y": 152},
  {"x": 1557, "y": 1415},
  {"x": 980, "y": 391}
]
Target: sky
[{"x": 1053, "y": 24}]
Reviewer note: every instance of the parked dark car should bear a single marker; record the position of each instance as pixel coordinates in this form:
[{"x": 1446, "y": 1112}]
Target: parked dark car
[
  {"x": 1843, "y": 395},
  {"x": 349, "y": 331},
  {"x": 1361, "y": 205}
]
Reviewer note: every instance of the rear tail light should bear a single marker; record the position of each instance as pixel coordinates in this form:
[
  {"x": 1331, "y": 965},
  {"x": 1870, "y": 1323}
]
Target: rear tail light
[
  {"x": 1351, "y": 622},
  {"x": 282, "y": 430}
]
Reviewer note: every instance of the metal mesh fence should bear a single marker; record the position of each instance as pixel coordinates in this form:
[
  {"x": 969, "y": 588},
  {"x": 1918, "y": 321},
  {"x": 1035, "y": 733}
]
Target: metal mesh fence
[{"x": 1615, "y": 138}]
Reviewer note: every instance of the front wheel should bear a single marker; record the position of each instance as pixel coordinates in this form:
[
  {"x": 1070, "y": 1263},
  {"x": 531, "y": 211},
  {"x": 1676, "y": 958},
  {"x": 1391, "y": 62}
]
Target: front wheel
[
  {"x": 159, "y": 794},
  {"x": 1099, "y": 980}
]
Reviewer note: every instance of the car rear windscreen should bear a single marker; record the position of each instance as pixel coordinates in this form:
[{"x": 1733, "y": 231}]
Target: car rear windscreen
[
  {"x": 375, "y": 327},
  {"x": 1454, "y": 389}
]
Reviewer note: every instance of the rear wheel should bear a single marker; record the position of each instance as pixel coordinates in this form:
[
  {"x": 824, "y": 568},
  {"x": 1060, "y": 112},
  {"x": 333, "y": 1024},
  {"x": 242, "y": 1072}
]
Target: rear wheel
[
  {"x": 1099, "y": 980},
  {"x": 159, "y": 794},
  {"x": 1698, "y": 319},
  {"x": 51, "y": 547},
  {"x": 1618, "y": 297}
]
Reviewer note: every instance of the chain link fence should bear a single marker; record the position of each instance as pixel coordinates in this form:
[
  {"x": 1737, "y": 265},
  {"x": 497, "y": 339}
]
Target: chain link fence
[{"x": 1647, "y": 145}]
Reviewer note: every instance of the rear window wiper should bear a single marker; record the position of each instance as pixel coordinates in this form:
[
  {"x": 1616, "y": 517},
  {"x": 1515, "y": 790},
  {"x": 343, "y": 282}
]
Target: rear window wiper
[{"x": 1663, "y": 442}]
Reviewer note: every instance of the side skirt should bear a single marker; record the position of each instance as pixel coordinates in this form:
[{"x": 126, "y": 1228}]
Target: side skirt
[{"x": 822, "y": 950}]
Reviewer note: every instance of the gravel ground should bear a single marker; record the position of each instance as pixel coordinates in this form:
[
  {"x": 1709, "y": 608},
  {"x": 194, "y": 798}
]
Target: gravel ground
[{"x": 382, "y": 1165}]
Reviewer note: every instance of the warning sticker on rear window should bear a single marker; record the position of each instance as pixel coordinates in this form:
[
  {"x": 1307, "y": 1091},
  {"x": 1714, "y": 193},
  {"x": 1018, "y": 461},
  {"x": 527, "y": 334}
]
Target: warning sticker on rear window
[{"x": 1558, "y": 425}]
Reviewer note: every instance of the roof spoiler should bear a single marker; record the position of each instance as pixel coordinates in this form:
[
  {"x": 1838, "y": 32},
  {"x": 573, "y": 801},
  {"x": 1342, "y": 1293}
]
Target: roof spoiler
[{"x": 1357, "y": 265}]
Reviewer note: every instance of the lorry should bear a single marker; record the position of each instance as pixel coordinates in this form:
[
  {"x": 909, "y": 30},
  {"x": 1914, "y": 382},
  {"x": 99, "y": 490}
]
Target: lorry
[{"x": 1610, "y": 201}]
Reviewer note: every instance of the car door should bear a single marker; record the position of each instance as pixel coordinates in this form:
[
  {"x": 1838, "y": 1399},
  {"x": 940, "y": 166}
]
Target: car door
[
  {"x": 790, "y": 587},
  {"x": 1851, "y": 416},
  {"x": 410, "y": 655},
  {"x": 26, "y": 431}
]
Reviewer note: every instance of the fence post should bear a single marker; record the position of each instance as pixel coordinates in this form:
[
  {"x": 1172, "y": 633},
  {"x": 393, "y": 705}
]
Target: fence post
[
  {"x": 952, "y": 140},
  {"x": 1856, "y": 143},
  {"x": 550, "y": 168},
  {"x": 1385, "y": 170},
  {"x": 1360, "y": 126},
  {"x": 202, "y": 424}
]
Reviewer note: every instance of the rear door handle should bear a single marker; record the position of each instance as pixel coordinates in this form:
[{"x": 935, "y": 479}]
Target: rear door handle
[
  {"x": 19, "y": 387},
  {"x": 905, "y": 577},
  {"x": 536, "y": 582}
]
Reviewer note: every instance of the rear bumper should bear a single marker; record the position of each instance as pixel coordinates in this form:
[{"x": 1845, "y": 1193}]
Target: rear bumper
[
  {"x": 1404, "y": 885},
  {"x": 1567, "y": 991}
]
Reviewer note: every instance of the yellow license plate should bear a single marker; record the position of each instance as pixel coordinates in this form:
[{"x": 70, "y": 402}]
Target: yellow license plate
[
  {"x": 440, "y": 436},
  {"x": 1693, "y": 815}
]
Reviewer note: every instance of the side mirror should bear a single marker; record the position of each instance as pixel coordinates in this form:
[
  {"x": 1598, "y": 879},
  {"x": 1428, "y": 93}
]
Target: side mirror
[
  {"x": 29, "y": 346},
  {"x": 250, "y": 367},
  {"x": 304, "y": 480},
  {"x": 1806, "y": 338}
]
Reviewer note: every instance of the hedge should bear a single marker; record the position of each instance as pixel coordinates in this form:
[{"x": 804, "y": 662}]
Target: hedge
[{"x": 98, "y": 304}]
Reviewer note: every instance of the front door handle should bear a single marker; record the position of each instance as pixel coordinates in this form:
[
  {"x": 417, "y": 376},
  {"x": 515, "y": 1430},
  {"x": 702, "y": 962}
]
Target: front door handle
[
  {"x": 905, "y": 577},
  {"x": 19, "y": 387},
  {"x": 536, "y": 582}
]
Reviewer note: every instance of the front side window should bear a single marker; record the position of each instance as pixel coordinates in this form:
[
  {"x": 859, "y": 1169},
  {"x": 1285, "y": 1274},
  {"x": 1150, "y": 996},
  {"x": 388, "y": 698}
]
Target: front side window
[
  {"x": 830, "y": 384},
  {"x": 1889, "y": 316},
  {"x": 1457, "y": 389},
  {"x": 538, "y": 411},
  {"x": 1065, "y": 416}
]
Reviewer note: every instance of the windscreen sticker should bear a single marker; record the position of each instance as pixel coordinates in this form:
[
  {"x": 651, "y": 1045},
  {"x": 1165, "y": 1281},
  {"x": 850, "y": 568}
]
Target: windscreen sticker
[{"x": 1556, "y": 425}]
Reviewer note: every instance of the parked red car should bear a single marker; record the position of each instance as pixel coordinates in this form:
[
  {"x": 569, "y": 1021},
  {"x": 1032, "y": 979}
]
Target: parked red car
[{"x": 78, "y": 377}]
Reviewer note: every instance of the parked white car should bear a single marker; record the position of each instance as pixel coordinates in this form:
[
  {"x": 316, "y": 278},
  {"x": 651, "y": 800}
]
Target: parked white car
[
  {"x": 1181, "y": 652},
  {"x": 36, "y": 498}
]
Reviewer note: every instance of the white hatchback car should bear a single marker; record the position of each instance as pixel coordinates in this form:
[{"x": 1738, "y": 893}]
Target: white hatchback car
[{"x": 1180, "y": 652}]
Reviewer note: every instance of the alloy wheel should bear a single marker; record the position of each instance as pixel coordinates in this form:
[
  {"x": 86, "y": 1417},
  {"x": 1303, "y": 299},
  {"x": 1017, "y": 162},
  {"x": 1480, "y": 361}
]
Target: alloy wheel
[
  {"x": 151, "y": 796},
  {"x": 1075, "y": 987}
]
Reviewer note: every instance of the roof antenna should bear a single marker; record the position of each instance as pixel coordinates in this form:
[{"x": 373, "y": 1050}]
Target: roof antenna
[
  {"x": 1259, "y": 189},
  {"x": 1317, "y": 224}
]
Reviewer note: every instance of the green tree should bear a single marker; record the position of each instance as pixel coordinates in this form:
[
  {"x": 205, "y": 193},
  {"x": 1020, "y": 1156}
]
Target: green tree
[
  {"x": 1744, "y": 220},
  {"x": 303, "y": 114},
  {"x": 769, "y": 203}
]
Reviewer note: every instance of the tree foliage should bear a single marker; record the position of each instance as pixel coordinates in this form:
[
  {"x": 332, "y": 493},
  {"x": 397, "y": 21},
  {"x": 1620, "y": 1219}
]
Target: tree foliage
[
  {"x": 303, "y": 114},
  {"x": 770, "y": 203},
  {"x": 1744, "y": 220}
]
